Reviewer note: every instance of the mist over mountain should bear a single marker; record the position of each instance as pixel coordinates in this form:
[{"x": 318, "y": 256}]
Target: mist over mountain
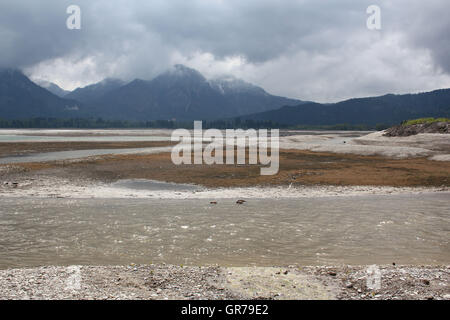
[
  {"x": 387, "y": 109},
  {"x": 20, "y": 98},
  {"x": 53, "y": 88}
]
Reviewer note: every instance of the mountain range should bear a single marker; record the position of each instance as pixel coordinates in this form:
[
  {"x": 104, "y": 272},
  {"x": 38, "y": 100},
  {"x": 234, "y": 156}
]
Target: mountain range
[
  {"x": 388, "y": 109},
  {"x": 184, "y": 94},
  {"x": 21, "y": 98},
  {"x": 180, "y": 93}
]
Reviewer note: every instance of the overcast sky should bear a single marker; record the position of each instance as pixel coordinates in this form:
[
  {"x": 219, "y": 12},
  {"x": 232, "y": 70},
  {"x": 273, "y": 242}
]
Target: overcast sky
[{"x": 311, "y": 50}]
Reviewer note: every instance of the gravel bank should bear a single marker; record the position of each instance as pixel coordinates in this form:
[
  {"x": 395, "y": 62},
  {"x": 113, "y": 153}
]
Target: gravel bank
[
  {"x": 47, "y": 186},
  {"x": 178, "y": 282},
  {"x": 409, "y": 130}
]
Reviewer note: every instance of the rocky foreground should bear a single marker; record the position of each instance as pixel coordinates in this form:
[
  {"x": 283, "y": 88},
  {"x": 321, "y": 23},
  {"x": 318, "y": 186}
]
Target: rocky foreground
[
  {"x": 409, "y": 130},
  {"x": 178, "y": 282}
]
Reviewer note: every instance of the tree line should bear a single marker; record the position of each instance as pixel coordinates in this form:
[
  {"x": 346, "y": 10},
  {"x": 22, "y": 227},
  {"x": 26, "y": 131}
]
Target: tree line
[{"x": 99, "y": 123}]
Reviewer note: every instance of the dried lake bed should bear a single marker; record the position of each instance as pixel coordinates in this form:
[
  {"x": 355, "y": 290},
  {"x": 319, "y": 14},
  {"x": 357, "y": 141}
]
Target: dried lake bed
[{"x": 341, "y": 198}]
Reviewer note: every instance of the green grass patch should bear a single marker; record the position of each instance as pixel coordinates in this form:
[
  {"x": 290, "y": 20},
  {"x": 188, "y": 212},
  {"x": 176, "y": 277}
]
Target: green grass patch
[{"x": 424, "y": 121}]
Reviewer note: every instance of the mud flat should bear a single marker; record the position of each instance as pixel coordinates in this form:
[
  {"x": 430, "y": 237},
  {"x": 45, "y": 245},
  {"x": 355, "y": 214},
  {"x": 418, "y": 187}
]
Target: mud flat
[
  {"x": 298, "y": 169},
  {"x": 305, "y": 160},
  {"x": 191, "y": 283}
]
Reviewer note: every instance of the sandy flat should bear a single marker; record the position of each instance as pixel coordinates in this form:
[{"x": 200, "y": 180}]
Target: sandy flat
[{"x": 420, "y": 145}]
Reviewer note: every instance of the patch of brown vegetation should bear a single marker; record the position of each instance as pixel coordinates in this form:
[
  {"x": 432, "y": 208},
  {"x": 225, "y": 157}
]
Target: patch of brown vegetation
[{"x": 297, "y": 167}]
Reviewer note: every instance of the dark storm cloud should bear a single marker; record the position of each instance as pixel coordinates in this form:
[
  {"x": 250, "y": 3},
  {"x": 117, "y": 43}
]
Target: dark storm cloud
[
  {"x": 318, "y": 50},
  {"x": 259, "y": 30}
]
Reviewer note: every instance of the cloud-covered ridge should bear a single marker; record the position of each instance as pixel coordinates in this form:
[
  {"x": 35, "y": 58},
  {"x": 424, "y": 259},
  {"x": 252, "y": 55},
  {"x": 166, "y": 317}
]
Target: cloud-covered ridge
[{"x": 313, "y": 50}]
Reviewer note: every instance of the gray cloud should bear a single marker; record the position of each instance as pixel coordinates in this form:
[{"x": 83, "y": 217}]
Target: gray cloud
[{"x": 318, "y": 50}]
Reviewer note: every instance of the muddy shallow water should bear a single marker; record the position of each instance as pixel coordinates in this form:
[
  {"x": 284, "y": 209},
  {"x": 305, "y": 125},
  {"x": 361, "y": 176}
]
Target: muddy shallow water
[{"x": 406, "y": 229}]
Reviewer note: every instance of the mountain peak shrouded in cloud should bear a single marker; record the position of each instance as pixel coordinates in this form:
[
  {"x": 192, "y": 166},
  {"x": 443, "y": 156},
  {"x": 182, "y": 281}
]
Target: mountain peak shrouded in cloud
[
  {"x": 181, "y": 70},
  {"x": 229, "y": 84},
  {"x": 180, "y": 74},
  {"x": 52, "y": 87},
  {"x": 314, "y": 50},
  {"x": 179, "y": 93}
]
